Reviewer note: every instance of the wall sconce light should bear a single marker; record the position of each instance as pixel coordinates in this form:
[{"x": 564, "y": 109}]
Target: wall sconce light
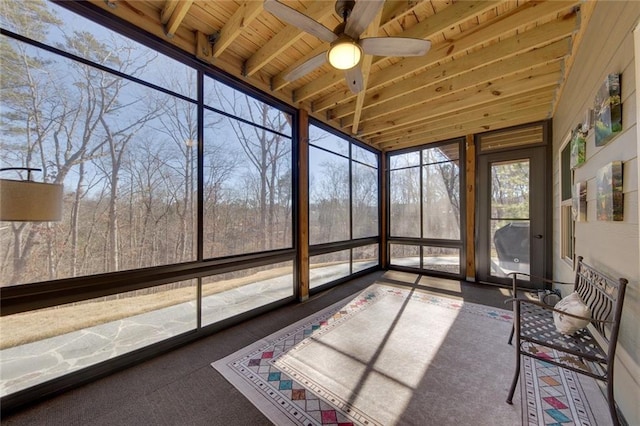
[{"x": 28, "y": 201}]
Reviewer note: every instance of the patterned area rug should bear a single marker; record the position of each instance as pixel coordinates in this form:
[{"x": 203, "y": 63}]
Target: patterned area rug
[
  {"x": 393, "y": 355},
  {"x": 555, "y": 396}
]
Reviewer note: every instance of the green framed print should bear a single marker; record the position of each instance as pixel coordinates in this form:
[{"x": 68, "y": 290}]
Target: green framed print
[{"x": 608, "y": 110}]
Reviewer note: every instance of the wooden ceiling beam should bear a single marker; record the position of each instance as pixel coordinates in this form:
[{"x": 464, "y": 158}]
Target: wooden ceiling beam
[
  {"x": 485, "y": 75},
  {"x": 317, "y": 10},
  {"x": 394, "y": 10},
  {"x": 179, "y": 11},
  {"x": 143, "y": 16},
  {"x": 485, "y": 127},
  {"x": 451, "y": 16},
  {"x": 510, "y": 103},
  {"x": 241, "y": 19},
  {"x": 513, "y": 107},
  {"x": 541, "y": 83},
  {"x": 524, "y": 15},
  {"x": 504, "y": 49},
  {"x": 167, "y": 10},
  {"x": 547, "y": 75}
]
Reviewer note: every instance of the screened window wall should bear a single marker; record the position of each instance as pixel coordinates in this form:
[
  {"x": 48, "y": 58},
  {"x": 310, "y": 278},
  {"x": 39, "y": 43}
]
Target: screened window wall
[
  {"x": 178, "y": 197},
  {"x": 343, "y": 207},
  {"x": 426, "y": 209}
]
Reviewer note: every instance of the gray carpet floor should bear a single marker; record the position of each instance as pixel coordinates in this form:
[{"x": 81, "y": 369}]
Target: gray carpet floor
[{"x": 181, "y": 388}]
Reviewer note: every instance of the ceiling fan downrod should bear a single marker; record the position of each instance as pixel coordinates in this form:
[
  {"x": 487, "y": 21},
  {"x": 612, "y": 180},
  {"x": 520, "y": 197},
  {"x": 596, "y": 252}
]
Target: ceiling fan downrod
[{"x": 344, "y": 8}]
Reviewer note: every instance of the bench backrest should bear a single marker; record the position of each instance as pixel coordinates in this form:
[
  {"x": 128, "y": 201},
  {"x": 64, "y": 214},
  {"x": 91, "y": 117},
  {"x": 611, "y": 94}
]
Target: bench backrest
[{"x": 604, "y": 296}]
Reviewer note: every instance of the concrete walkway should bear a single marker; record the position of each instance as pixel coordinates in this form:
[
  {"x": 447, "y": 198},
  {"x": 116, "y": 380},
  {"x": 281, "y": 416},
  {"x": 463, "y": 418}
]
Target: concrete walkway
[{"x": 33, "y": 363}]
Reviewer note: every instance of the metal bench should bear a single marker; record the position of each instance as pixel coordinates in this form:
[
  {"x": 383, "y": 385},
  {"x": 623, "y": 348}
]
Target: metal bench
[{"x": 590, "y": 351}]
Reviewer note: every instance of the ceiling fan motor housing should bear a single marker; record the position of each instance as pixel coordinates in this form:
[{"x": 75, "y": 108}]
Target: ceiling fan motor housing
[{"x": 344, "y": 8}]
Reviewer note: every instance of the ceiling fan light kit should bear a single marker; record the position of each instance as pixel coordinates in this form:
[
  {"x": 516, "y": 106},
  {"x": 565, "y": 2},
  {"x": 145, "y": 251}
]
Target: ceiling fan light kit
[
  {"x": 346, "y": 47},
  {"x": 344, "y": 53}
]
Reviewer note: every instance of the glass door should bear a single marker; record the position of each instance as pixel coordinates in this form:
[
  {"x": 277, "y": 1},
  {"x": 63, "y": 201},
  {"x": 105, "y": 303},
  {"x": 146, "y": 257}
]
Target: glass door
[{"x": 512, "y": 216}]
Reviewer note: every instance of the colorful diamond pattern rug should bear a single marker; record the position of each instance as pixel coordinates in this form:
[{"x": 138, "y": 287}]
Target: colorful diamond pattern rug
[
  {"x": 550, "y": 395},
  {"x": 554, "y": 396}
]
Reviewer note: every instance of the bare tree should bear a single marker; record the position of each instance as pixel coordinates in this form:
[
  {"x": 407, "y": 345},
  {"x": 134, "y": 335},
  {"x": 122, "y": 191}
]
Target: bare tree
[
  {"x": 265, "y": 148},
  {"x": 59, "y": 110}
]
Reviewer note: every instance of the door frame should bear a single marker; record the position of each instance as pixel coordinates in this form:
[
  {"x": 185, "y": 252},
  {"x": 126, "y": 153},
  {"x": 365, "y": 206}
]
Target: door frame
[{"x": 540, "y": 200}]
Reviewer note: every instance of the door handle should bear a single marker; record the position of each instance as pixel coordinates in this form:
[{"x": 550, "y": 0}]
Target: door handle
[{"x": 539, "y": 236}]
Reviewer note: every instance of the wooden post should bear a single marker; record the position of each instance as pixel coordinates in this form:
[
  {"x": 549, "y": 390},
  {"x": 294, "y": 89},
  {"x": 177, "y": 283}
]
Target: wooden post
[
  {"x": 303, "y": 206},
  {"x": 471, "y": 208}
]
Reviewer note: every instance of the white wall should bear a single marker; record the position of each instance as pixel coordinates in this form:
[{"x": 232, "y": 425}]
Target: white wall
[{"x": 613, "y": 247}]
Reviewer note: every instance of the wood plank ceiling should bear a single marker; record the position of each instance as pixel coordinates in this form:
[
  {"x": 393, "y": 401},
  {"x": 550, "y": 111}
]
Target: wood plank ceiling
[{"x": 492, "y": 64}]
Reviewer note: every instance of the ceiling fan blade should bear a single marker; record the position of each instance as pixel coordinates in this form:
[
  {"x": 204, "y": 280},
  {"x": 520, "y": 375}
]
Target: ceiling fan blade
[
  {"x": 361, "y": 16},
  {"x": 394, "y": 46},
  {"x": 299, "y": 19},
  {"x": 354, "y": 79},
  {"x": 306, "y": 67}
]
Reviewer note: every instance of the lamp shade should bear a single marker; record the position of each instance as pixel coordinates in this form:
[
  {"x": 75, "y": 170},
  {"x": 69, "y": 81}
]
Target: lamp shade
[
  {"x": 344, "y": 54},
  {"x": 27, "y": 201}
]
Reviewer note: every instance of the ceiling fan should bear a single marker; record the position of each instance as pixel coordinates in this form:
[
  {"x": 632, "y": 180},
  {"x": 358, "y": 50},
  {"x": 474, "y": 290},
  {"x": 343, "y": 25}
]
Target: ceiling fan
[{"x": 346, "y": 47}]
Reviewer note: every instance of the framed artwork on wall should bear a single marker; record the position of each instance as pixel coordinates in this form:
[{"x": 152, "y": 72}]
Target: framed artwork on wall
[
  {"x": 609, "y": 195},
  {"x": 608, "y": 110},
  {"x": 578, "y": 147},
  {"x": 579, "y": 202}
]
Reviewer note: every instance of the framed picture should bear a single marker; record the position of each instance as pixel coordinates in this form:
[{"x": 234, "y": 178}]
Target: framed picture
[
  {"x": 579, "y": 202},
  {"x": 609, "y": 195},
  {"x": 578, "y": 147},
  {"x": 608, "y": 110}
]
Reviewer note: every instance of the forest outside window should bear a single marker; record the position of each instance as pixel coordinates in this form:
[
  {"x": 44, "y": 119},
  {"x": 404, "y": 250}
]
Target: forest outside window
[
  {"x": 119, "y": 124},
  {"x": 343, "y": 189},
  {"x": 121, "y": 148},
  {"x": 247, "y": 174},
  {"x": 343, "y": 207},
  {"x": 425, "y": 210},
  {"x": 566, "y": 213}
]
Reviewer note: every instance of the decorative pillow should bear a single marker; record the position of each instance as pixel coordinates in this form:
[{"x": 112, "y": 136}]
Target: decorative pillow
[{"x": 574, "y": 305}]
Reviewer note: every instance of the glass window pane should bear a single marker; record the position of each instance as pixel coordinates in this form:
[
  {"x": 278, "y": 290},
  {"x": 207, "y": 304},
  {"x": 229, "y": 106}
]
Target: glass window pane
[
  {"x": 405, "y": 202},
  {"x": 247, "y": 188},
  {"x": 123, "y": 153},
  {"x": 409, "y": 159},
  {"x": 510, "y": 190},
  {"x": 328, "y": 197},
  {"x": 441, "y": 259},
  {"x": 54, "y": 25},
  {"x": 41, "y": 345},
  {"x": 365, "y": 201},
  {"x": 509, "y": 217},
  {"x": 565, "y": 172},
  {"x": 365, "y": 257},
  {"x": 227, "y": 295},
  {"x": 405, "y": 255},
  {"x": 225, "y": 98},
  {"x": 442, "y": 153},
  {"x": 364, "y": 156},
  {"x": 328, "y": 267},
  {"x": 567, "y": 249},
  {"x": 327, "y": 140},
  {"x": 441, "y": 205}
]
